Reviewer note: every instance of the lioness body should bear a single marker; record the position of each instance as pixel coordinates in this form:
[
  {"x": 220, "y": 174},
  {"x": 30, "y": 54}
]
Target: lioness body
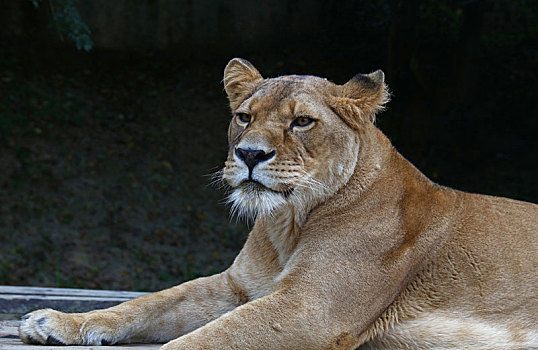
[{"x": 351, "y": 245}]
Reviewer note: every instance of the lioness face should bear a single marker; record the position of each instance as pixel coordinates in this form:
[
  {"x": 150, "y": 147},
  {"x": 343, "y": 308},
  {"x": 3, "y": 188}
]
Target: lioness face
[
  {"x": 287, "y": 147},
  {"x": 294, "y": 140}
]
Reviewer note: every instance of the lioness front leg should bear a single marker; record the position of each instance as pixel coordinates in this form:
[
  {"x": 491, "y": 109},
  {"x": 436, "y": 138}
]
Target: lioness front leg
[
  {"x": 157, "y": 317},
  {"x": 279, "y": 321}
]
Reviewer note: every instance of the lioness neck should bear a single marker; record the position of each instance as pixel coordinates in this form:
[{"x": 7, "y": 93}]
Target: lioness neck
[
  {"x": 382, "y": 170},
  {"x": 381, "y": 175},
  {"x": 375, "y": 154},
  {"x": 283, "y": 227}
]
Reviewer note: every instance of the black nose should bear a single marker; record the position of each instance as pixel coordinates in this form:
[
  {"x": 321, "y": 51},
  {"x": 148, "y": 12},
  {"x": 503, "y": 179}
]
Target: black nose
[{"x": 252, "y": 157}]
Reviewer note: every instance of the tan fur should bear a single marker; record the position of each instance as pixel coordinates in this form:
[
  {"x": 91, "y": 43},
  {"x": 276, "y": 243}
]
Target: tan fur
[{"x": 352, "y": 246}]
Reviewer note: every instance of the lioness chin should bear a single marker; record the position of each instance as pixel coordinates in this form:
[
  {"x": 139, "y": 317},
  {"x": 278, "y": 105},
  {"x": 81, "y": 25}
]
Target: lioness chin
[{"x": 351, "y": 246}]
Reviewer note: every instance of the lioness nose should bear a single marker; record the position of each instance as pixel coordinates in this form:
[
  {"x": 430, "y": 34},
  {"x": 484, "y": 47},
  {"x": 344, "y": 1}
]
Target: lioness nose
[{"x": 252, "y": 157}]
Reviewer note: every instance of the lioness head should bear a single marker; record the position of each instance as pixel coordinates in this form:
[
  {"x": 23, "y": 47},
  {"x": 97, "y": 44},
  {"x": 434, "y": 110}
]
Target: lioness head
[{"x": 293, "y": 139}]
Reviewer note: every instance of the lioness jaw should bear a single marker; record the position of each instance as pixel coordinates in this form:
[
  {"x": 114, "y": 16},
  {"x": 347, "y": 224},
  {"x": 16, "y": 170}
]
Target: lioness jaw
[{"x": 351, "y": 246}]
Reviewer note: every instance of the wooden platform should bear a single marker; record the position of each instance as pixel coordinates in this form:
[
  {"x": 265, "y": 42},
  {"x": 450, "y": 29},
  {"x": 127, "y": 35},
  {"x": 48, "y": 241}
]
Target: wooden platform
[{"x": 17, "y": 301}]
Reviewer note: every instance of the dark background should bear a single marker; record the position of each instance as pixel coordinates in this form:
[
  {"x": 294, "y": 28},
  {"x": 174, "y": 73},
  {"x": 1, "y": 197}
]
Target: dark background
[{"x": 106, "y": 154}]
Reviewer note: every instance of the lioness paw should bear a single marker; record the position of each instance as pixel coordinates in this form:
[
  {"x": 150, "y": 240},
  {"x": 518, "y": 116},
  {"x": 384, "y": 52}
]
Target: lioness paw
[
  {"x": 57, "y": 328},
  {"x": 48, "y": 327}
]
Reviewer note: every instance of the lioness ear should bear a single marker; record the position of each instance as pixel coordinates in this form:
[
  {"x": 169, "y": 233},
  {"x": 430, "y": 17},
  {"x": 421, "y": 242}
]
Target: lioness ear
[
  {"x": 361, "y": 98},
  {"x": 240, "y": 79}
]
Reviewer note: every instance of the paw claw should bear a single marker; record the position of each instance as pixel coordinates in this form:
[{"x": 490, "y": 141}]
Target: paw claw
[
  {"x": 53, "y": 341},
  {"x": 32, "y": 341}
]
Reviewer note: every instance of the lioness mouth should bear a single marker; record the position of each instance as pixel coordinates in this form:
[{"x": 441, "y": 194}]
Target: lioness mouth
[{"x": 256, "y": 186}]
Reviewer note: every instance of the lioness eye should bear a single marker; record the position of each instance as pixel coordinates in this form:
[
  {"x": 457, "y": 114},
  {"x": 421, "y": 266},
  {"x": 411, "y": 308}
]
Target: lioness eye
[
  {"x": 301, "y": 121},
  {"x": 244, "y": 118}
]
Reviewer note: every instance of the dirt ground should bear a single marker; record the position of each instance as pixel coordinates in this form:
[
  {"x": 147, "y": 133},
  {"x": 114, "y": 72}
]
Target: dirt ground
[{"x": 106, "y": 163}]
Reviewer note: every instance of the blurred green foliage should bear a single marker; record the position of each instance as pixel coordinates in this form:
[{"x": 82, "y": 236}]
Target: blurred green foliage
[{"x": 68, "y": 23}]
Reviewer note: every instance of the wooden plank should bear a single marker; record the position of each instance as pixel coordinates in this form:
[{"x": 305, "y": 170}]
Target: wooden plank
[
  {"x": 9, "y": 340},
  {"x": 9, "y": 329},
  {"x": 69, "y": 292},
  {"x": 8, "y": 317},
  {"x": 21, "y": 300}
]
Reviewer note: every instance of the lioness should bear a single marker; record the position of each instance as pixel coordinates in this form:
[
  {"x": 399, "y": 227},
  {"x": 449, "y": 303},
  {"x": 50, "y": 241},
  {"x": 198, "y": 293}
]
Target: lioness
[{"x": 351, "y": 245}]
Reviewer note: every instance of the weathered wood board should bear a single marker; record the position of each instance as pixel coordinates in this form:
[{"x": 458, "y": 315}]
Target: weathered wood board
[
  {"x": 21, "y": 300},
  {"x": 16, "y": 301}
]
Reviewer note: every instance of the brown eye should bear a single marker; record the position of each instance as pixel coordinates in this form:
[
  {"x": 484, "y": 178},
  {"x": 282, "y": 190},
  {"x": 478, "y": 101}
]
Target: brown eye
[
  {"x": 301, "y": 122},
  {"x": 243, "y": 118}
]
